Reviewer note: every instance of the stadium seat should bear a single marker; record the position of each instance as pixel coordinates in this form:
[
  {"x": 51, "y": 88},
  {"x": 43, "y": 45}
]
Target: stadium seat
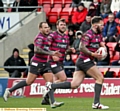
[
  {"x": 65, "y": 15},
  {"x": 67, "y": 9},
  {"x": 116, "y": 71},
  {"x": 111, "y": 45},
  {"x": 46, "y": 8},
  {"x": 42, "y": 2},
  {"x": 52, "y": 17},
  {"x": 74, "y": 57},
  {"x": 58, "y": 2},
  {"x": 67, "y": 1}
]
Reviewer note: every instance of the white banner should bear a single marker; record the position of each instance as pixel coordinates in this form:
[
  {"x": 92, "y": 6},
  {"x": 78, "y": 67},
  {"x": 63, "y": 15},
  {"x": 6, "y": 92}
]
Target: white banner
[{"x": 7, "y": 20}]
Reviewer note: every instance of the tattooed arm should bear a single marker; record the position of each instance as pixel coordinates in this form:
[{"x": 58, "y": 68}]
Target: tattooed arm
[
  {"x": 85, "y": 50},
  {"x": 39, "y": 50}
]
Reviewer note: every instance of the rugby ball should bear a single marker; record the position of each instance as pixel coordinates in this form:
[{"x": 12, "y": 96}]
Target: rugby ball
[{"x": 103, "y": 52}]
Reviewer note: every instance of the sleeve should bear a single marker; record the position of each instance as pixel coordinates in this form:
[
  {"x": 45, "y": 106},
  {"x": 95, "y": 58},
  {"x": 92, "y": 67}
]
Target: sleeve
[
  {"x": 38, "y": 42},
  {"x": 85, "y": 40},
  {"x": 7, "y": 64}
]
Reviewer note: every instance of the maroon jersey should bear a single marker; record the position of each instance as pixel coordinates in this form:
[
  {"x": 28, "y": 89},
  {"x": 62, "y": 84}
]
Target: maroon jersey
[
  {"x": 92, "y": 42},
  {"x": 42, "y": 42},
  {"x": 58, "y": 42}
]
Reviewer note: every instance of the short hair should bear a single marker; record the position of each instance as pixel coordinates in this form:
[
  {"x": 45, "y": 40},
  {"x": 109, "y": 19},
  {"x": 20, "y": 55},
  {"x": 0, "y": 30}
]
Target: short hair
[
  {"x": 96, "y": 19},
  {"x": 41, "y": 23},
  {"x": 60, "y": 20}
]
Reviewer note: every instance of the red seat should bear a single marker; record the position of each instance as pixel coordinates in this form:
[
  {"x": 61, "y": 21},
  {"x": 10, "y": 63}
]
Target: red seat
[
  {"x": 52, "y": 17},
  {"x": 58, "y": 2},
  {"x": 74, "y": 57},
  {"x": 111, "y": 45},
  {"x": 46, "y": 8},
  {"x": 65, "y": 15},
  {"x": 46, "y": 2},
  {"x": 116, "y": 71},
  {"x": 67, "y": 1},
  {"x": 68, "y": 9}
]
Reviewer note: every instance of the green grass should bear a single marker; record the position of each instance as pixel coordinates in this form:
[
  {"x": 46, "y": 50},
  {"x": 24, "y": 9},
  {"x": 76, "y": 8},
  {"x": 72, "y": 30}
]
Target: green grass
[{"x": 71, "y": 104}]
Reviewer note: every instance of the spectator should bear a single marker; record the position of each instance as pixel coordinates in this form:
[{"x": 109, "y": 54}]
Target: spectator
[
  {"x": 118, "y": 15},
  {"x": 110, "y": 29},
  {"x": 68, "y": 62},
  {"x": 71, "y": 34},
  {"x": 94, "y": 9},
  {"x": 79, "y": 16},
  {"x": 1, "y": 5},
  {"x": 105, "y": 8},
  {"x": 86, "y": 25},
  {"x": 15, "y": 60},
  {"x": 30, "y": 55},
  {"x": 106, "y": 61},
  {"x": 77, "y": 41},
  {"x": 31, "y": 52},
  {"x": 75, "y": 3}
]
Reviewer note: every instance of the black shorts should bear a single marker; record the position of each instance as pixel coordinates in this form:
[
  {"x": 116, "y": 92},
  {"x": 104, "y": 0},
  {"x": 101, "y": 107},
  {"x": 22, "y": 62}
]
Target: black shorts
[
  {"x": 57, "y": 67},
  {"x": 84, "y": 65},
  {"x": 39, "y": 68}
]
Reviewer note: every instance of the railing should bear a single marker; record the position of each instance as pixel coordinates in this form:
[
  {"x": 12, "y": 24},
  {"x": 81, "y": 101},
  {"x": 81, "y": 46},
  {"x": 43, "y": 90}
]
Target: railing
[
  {"x": 20, "y": 22},
  {"x": 10, "y": 67}
]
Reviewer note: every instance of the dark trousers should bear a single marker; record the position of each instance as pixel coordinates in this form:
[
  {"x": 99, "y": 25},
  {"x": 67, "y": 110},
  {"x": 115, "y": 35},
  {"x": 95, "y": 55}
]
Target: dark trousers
[{"x": 15, "y": 74}]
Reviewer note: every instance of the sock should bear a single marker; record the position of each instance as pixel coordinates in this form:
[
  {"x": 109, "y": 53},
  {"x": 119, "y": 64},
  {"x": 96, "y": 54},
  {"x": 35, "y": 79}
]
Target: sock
[
  {"x": 17, "y": 86},
  {"x": 61, "y": 85},
  {"x": 97, "y": 89},
  {"x": 51, "y": 96}
]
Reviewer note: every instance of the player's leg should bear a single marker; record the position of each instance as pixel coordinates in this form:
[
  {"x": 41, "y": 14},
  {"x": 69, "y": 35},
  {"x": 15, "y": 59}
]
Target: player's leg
[
  {"x": 97, "y": 75},
  {"x": 30, "y": 79},
  {"x": 48, "y": 77}
]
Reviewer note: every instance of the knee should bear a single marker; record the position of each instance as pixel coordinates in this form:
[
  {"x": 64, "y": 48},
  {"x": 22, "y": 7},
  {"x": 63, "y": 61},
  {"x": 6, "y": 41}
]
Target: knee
[
  {"x": 63, "y": 79},
  {"x": 74, "y": 85},
  {"x": 29, "y": 82},
  {"x": 100, "y": 79}
]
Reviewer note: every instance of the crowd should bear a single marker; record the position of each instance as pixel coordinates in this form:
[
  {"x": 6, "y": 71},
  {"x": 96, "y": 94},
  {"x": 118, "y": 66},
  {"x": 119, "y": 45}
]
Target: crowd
[{"x": 81, "y": 23}]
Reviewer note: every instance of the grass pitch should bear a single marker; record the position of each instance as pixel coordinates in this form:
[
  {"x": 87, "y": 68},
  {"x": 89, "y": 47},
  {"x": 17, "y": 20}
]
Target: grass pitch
[{"x": 71, "y": 104}]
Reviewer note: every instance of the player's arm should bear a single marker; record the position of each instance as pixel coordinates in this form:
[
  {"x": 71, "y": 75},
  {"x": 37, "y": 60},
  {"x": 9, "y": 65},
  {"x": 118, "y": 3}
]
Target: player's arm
[
  {"x": 84, "y": 49},
  {"x": 39, "y": 50}
]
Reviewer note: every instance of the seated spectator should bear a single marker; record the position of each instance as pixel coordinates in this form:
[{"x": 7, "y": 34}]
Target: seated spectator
[
  {"x": 94, "y": 9},
  {"x": 75, "y": 3},
  {"x": 76, "y": 42},
  {"x": 15, "y": 60},
  {"x": 79, "y": 16},
  {"x": 106, "y": 61},
  {"x": 1, "y": 5},
  {"x": 68, "y": 62},
  {"x": 71, "y": 34},
  {"x": 110, "y": 29},
  {"x": 118, "y": 15},
  {"x": 86, "y": 25},
  {"x": 118, "y": 30},
  {"x": 105, "y": 8}
]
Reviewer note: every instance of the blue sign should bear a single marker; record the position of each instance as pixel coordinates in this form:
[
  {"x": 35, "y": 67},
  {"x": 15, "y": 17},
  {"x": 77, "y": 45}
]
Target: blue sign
[{"x": 3, "y": 85}]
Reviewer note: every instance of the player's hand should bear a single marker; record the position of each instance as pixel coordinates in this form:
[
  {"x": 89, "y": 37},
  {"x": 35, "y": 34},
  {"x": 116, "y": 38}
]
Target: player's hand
[
  {"x": 73, "y": 50},
  {"x": 55, "y": 58},
  {"x": 96, "y": 55},
  {"x": 56, "y": 53}
]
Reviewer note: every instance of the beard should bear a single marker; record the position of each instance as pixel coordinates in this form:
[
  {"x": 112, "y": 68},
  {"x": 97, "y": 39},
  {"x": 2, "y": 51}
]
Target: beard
[
  {"x": 61, "y": 31},
  {"x": 98, "y": 30}
]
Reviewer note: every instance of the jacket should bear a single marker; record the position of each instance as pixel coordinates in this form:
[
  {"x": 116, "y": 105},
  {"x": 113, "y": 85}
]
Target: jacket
[
  {"x": 79, "y": 17},
  {"x": 11, "y": 61},
  {"x": 113, "y": 29}
]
